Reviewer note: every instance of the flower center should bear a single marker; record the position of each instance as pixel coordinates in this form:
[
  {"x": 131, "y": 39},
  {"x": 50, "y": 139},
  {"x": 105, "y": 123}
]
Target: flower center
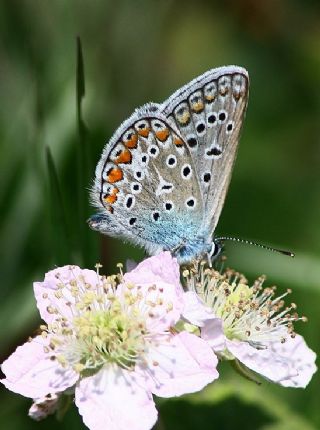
[
  {"x": 248, "y": 313},
  {"x": 105, "y": 328},
  {"x": 111, "y": 336}
]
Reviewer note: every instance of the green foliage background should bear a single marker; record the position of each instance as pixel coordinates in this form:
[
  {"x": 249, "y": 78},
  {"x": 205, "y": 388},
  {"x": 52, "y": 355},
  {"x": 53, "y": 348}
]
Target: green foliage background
[{"x": 137, "y": 51}]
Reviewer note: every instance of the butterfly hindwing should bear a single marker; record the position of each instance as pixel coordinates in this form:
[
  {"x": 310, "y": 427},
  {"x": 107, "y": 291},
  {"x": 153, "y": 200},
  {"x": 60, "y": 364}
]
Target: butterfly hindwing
[{"x": 146, "y": 183}]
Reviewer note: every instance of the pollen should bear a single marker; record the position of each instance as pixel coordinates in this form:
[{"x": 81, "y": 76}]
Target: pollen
[
  {"x": 248, "y": 313},
  {"x": 104, "y": 327}
]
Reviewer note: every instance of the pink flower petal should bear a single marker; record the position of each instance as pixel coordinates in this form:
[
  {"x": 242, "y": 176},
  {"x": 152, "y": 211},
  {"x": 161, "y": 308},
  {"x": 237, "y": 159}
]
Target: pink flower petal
[
  {"x": 30, "y": 371},
  {"x": 182, "y": 364},
  {"x": 43, "y": 407},
  {"x": 290, "y": 364},
  {"x": 45, "y": 292},
  {"x": 195, "y": 311},
  {"x": 159, "y": 268},
  {"x": 112, "y": 400},
  {"x": 212, "y": 333},
  {"x": 157, "y": 281}
]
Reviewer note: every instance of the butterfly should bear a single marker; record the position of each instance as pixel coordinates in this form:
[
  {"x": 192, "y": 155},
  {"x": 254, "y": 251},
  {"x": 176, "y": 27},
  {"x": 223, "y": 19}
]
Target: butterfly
[{"x": 162, "y": 179}]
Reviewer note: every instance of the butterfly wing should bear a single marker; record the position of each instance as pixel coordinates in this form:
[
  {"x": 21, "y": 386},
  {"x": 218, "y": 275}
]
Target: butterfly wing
[
  {"x": 208, "y": 113},
  {"x": 146, "y": 187}
]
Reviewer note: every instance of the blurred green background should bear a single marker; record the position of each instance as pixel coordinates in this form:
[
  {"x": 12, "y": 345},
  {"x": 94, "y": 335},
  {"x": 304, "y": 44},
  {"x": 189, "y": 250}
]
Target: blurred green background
[{"x": 139, "y": 51}]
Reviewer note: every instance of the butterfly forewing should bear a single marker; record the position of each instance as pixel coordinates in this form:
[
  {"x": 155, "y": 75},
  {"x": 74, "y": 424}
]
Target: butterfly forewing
[
  {"x": 147, "y": 183},
  {"x": 208, "y": 113}
]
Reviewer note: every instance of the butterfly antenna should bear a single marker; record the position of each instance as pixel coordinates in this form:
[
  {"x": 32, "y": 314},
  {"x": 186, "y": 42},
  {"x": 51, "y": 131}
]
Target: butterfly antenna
[{"x": 249, "y": 242}]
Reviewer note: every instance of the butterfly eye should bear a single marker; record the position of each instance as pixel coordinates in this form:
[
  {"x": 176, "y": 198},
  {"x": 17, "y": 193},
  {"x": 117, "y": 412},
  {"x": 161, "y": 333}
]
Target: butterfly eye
[{"x": 216, "y": 250}]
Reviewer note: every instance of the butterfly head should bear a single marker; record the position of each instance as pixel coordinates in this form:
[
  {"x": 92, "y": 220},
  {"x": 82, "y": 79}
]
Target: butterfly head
[{"x": 216, "y": 249}]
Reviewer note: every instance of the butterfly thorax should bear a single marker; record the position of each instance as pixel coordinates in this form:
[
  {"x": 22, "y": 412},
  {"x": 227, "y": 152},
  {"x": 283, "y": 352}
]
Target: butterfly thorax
[{"x": 192, "y": 250}]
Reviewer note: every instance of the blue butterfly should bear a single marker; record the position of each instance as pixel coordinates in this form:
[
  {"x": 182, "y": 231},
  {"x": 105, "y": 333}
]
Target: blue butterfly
[{"x": 162, "y": 179}]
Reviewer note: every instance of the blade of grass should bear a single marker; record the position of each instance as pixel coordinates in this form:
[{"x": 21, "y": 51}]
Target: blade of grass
[
  {"x": 84, "y": 164},
  {"x": 60, "y": 237}
]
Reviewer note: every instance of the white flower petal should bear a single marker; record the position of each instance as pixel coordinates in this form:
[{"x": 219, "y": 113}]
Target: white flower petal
[
  {"x": 159, "y": 268},
  {"x": 43, "y": 407},
  {"x": 45, "y": 292},
  {"x": 111, "y": 400},
  {"x": 195, "y": 311},
  {"x": 212, "y": 332},
  {"x": 290, "y": 364},
  {"x": 30, "y": 371},
  {"x": 183, "y": 364},
  {"x": 157, "y": 281}
]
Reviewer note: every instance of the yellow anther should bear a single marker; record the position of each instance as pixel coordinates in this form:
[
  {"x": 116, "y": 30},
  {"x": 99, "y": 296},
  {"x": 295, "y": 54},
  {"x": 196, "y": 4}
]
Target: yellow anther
[{"x": 78, "y": 367}]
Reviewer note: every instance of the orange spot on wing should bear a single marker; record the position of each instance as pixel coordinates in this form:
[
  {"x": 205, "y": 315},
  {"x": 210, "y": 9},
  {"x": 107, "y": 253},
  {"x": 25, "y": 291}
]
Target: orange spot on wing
[
  {"x": 125, "y": 157},
  {"x": 197, "y": 107},
  {"x": 184, "y": 118},
  {"x": 114, "y": 174},
  {"x": 132, "y": 142},
  {"x": 162, "y": 135},
  {"x": 177, "y": 141},
  {"x": 112, "y": 197},
  {"x": 144, "y": 132}
]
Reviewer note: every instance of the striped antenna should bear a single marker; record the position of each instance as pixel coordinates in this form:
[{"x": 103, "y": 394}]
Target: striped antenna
[{"x": 249, "y": 242}]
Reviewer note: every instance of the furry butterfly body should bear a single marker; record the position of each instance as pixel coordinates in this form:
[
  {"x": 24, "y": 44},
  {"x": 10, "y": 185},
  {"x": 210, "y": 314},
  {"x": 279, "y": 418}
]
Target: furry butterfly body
[{"x": 162, "y": 179}]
